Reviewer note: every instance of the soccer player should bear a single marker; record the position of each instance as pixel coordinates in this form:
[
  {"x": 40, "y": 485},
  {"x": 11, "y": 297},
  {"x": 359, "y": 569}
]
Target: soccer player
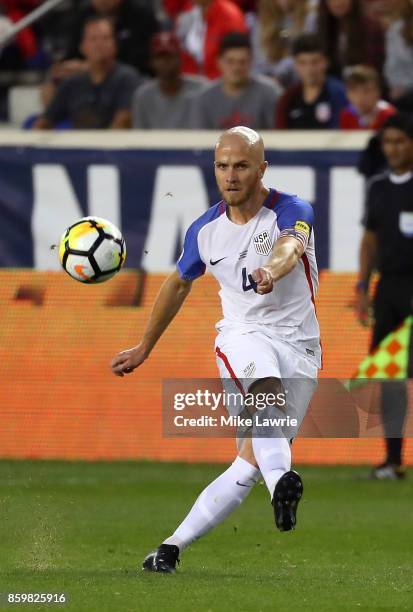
[{"x": 259, "y": 245}]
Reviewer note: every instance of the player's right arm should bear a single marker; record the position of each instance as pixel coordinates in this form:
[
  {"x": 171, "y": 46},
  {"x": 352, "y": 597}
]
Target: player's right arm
[
  {"x": 167, "y": 304},
  {"x": 368, "y": 259},
  {"x": 368, "y": 253}
]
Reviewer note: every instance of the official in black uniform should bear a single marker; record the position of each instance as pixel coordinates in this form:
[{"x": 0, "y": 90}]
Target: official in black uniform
[{"x": 387, "y": 246}]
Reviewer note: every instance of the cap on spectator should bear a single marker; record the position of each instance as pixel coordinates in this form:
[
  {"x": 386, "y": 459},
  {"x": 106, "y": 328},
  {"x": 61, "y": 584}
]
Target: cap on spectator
[{"x": 164, "y": 42}]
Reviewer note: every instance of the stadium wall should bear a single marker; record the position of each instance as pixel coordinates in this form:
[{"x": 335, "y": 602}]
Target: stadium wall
[
  {"x": 58, "y": 398},
  {"x": 154, "y": 184}
]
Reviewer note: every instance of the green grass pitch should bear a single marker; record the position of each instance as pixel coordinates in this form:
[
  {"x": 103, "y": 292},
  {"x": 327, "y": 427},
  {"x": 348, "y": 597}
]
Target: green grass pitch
[{"x": 84, "y": 528}]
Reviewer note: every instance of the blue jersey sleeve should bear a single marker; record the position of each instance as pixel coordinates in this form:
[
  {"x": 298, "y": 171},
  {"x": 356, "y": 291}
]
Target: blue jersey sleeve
[
  {"x": 190, "y": 265},
  {"x": 296, "y": 218}
]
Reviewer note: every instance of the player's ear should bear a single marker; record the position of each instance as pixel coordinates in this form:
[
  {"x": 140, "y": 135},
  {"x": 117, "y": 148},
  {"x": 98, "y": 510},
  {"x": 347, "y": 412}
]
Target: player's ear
[{"x": 263, "y": 168}]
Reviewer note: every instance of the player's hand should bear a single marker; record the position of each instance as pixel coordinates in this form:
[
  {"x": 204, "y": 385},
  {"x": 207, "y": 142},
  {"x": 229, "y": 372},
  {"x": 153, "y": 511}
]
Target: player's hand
[
  {"x": 264, "y": 280},
  {"x": 127, "y": 361},
  {"x": 363, "y": 308}
]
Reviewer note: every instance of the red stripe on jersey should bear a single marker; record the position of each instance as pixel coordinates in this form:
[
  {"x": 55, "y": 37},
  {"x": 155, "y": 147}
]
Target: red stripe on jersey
[
  {"x": 308, "y": 275},
  {"x": 310, "y": 284},
  {"x": 273, "y": 200},
  {"x": 221, "y": 207},
  {"x": 224, "y": 358}
]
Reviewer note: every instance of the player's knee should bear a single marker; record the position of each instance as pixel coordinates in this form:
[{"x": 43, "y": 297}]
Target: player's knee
[
  {"x": 246, "y": 452},
  {"x": 268, "y": 393}
]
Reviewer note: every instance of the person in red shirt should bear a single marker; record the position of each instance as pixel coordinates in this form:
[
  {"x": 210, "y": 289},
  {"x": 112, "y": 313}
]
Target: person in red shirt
[
  {"x": 200, "y": 30},
  {"x": 366, "y": 111}
]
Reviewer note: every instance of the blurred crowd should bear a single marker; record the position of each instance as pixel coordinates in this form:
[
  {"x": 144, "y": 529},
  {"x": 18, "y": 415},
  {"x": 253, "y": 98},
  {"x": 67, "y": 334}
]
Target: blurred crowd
[{"x": 213, "y": 64}]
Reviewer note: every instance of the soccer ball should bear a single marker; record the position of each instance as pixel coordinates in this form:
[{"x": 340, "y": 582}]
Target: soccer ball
[{"x": 92, "y": 250}]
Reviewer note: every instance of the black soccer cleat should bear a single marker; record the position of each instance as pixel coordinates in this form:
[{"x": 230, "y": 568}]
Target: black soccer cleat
[
  {"x": 287, "y": 494},
  {"x": 163, "y": 559}
]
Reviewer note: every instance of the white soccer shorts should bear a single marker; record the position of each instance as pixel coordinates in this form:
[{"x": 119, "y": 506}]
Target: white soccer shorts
[{"x": 244, "y": 358}]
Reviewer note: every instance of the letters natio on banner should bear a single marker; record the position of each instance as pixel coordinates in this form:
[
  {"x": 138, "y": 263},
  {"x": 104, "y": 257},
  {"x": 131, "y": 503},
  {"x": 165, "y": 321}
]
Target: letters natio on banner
[{"x": 154, "y": 195}]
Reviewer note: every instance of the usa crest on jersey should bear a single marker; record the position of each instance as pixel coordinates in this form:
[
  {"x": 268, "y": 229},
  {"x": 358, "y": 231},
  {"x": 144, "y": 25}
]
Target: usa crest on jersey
[{"x": 263, "y": 243}]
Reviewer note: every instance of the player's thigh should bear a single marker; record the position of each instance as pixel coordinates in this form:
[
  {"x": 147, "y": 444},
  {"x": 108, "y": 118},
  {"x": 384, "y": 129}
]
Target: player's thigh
[
  {"x": 299, "y": 379},
  {"x": 404, "y": 300},
  {"x": 386, "y": 317},
  {"x": 245, "y": 358}
]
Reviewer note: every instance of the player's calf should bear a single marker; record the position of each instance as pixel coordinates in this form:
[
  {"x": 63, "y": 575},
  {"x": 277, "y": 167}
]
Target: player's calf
[{"x": 273, "y": 454}]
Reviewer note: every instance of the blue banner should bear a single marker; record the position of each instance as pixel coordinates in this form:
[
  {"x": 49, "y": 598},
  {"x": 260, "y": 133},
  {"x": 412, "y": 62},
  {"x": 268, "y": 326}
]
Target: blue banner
[{"x": 152, "y": 194}]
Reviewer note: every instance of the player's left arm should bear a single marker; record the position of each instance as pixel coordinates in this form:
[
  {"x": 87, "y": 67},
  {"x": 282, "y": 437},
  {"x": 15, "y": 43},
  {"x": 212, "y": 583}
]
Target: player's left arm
[
  {"x": 284, "y": 257},
  {"x": 295, "y": 221}
]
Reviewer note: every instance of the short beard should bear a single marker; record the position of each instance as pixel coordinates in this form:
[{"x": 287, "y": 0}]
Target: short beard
[{"x": 238, "y": 202}]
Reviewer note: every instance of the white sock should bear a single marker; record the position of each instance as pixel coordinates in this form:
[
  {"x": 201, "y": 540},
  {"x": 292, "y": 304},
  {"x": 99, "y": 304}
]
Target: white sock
[
  {"x": 271, "y": 449},
  {"x": 273, "y": 455},
  {"x": 216, "y": 502}
]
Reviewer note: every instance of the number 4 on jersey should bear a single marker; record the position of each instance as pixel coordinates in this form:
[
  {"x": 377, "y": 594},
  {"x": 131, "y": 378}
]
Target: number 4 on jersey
[{"x": 246, "y": 279}]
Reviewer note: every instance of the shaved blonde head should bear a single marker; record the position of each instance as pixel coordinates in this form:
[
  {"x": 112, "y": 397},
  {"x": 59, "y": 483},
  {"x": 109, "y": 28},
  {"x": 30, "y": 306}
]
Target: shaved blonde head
[
  {"x": 240, "y": 166},
  {"x": 242, "y": 136}
]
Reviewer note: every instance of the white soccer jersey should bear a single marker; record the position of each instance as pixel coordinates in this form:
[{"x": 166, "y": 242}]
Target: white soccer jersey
[{"x": 231, "y": 252}]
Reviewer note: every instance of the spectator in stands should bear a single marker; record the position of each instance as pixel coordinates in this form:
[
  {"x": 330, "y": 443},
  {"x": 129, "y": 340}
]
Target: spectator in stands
[
  {"x": 200, "y": 30},
  {"x": 398, "y": 67},
  {"x": 23, "y": 52},
  {"x": 165, "y": 101},
  {"x": 366, "y": 111},
  {"x": 383, "y": 12},
  {"x": 238, "y": 98},
  {"x": 99, "y": 97},
  {"x": 277, "y": 24},
  {"x": 348, "y": 36},
  {"x": 316, "y": 101},
  {"x": 134, "y": 24}
]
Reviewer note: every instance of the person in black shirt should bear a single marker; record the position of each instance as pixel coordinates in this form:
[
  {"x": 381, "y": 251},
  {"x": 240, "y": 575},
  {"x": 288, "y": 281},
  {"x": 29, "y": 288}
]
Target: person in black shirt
[
  {"x": 134, "y": 24},
  {"x": 133, "y": 21},
  {"x": 99, "y": 97},
  {"x": 316, "y": 101},
  {"x": 387, "y": 245}
]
